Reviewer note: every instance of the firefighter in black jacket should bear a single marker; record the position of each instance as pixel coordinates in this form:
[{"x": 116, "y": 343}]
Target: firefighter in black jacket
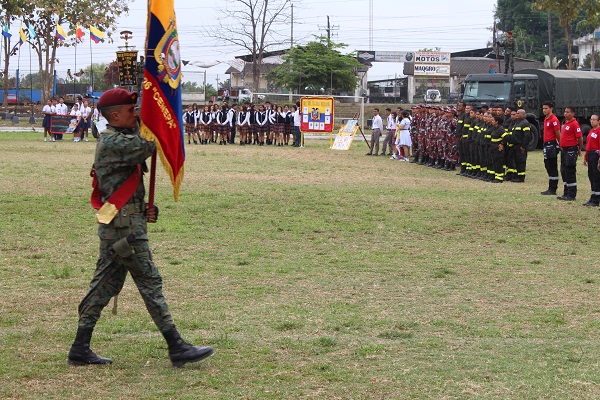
[{"x": 520, "y": 138}]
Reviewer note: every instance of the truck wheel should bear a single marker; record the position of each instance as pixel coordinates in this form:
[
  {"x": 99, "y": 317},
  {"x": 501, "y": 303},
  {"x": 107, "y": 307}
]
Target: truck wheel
[{"x": 534, "y": 139}]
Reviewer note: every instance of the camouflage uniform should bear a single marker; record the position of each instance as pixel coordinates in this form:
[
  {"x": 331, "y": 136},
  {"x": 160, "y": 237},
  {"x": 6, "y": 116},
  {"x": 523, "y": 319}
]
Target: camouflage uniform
[{"x": 118, "y": 153}]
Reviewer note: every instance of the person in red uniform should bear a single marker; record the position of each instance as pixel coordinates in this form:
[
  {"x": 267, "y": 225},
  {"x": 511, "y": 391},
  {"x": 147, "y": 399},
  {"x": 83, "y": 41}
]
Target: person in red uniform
[
  {"x": 571, "y": 143},
  {"x": 551, "y": 148},
  {"x": 590, "y": 159}
]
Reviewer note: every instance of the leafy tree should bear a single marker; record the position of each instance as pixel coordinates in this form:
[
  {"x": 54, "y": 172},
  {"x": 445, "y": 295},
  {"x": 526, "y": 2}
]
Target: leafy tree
[
  {"x": 253, "y": 26},
  {"x": 570, "y": 14},
  {"x": 210, "y": 91},
  {"x": 111, "y": 75},
  {"x": 587, "y": 60},
  {"x": 226, "y": 84},
  {"x": 48, "y": 13},
  {"x": 11, "y": 9},
  {"x": 318, "y": 64},
  {"x": 191, "y": 87}
]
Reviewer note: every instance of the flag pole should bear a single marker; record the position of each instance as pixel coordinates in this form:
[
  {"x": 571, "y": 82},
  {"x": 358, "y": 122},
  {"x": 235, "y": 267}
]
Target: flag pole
[
  {"x": 91, "y": 69},
  {"x": 152, "y": 183}
]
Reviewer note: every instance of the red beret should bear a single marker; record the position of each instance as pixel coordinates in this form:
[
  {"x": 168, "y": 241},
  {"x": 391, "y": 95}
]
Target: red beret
[{"x": 117, "y": 97}]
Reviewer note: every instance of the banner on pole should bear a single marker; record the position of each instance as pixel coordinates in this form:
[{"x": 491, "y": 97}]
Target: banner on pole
[
  {"x": 127, "y": 63},
  {"x": 317, "y": 114}
]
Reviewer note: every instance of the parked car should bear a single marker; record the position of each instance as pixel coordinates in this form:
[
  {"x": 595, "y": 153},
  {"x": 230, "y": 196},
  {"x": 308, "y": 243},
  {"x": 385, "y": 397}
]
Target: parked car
[
  {"x": 433, "y": 96},
  {"x": 12, "y": 98},
  {"x": 454, "y": 97}
]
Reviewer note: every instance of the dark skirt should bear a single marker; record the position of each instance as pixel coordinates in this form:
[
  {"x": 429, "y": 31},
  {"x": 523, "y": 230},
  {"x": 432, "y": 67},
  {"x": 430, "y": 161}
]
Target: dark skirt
[{"x": 46, "y": 121}]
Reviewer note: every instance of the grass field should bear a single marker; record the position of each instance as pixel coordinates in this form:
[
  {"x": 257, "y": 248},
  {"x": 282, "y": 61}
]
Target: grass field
[{"x": 313, "y": 274}]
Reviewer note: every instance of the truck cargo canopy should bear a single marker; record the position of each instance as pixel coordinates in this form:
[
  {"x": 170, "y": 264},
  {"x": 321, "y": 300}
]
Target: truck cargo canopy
[{"x": 567, "y": 88}]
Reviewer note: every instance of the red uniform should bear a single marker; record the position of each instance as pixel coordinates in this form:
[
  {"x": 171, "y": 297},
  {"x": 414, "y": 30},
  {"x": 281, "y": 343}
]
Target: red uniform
[
  {"x": 593, "y": 142},
  {"x": 551, "y": 125},
  {"x": 569, "y": 134}
]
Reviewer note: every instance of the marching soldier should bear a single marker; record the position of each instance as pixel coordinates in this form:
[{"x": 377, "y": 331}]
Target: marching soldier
[{"x": 122, "y": 215}]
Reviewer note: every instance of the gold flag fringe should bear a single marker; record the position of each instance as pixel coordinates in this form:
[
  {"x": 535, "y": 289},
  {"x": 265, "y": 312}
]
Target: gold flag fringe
[{"x": 147, "y": 134}]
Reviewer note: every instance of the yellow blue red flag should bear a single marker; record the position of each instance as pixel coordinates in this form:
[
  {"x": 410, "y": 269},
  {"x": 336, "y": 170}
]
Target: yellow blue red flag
[{"x": 161, "y": 109}]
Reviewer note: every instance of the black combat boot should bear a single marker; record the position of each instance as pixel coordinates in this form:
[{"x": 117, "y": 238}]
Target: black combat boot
[
  {"x": 182, "y": 352},
  {"x": 415, "y": 158},
  {"x": 81, "y": 354}
]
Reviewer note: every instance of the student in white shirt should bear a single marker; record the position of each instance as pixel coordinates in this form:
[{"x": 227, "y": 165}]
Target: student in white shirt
[
  {"x": 86, "y": 114},
  {"x": 377, "y": 126},
  {"x": 77, "y": 114},
  {"x": 47, "y": 111}
]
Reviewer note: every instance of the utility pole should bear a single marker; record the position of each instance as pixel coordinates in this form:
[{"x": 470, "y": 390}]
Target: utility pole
[
  {"x": 329, "y": 28},
  {"x": 371, "y": 25},
  {"x": 292, "y": 29}
]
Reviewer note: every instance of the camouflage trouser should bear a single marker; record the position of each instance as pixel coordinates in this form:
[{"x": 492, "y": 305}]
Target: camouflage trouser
[
  {"x": 108, "y": 280},
  {"x": 509, "y": 63}
]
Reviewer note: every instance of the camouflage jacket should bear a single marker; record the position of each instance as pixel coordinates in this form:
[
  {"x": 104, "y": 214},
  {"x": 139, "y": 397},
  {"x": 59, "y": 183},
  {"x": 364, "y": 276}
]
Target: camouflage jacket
[{"x": 118, "y": 153}]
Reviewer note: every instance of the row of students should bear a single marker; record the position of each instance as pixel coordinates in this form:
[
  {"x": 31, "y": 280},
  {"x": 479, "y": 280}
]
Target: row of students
[
  {"x": 265, "y": 124},
  {"x": 81, "y": 111}
]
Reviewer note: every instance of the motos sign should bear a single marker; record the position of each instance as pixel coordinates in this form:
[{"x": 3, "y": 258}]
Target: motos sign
[{"x": 432, "y": 63}]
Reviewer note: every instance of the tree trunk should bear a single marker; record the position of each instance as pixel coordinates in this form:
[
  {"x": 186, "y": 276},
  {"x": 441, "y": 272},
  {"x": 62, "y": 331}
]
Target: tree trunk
[
  {"x": 569, "y": 46},
  {"x": 5, "y": 75}
]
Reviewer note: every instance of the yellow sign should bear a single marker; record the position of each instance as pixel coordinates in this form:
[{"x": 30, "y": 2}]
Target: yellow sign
[{"x": 345, "y": 136}]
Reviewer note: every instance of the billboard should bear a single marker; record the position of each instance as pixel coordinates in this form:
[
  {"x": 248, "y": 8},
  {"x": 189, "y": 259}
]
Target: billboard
[
  {"x": 365, "y": 56},
  {"x": 432, "y": 63}
]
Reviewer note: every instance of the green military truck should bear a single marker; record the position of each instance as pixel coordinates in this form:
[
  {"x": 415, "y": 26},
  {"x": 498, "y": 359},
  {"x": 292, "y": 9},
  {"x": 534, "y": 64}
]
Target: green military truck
[{"x": 530, "y": 88}]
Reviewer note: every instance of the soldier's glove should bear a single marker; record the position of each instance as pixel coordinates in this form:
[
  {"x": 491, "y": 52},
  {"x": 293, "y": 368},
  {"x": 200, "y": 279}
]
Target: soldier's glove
[{"x": 152, "y": 214}]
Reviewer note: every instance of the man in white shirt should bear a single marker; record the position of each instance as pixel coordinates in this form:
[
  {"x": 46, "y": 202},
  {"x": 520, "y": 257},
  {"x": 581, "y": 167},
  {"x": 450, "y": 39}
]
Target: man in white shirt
[
  {"x": 377, "y": 126},
  {"x": 390, "y": 135},
  {"x": 297, "y": 122}
]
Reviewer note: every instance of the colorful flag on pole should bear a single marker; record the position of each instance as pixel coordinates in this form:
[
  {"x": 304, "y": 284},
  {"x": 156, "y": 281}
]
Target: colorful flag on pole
[
  {"x": 60, "y": 33},
  {"x": 5, "y": 31},
  {"x": 79, "y": 33},
  {"x": 31, "y": 32},
  {"x": 22, "y": 36},
  {"x": 161, "y": 92},
  {"x": 96, "y": 34}
]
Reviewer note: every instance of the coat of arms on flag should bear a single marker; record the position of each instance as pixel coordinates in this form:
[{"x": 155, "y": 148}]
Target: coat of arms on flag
[{"x": 161, "y": 108}]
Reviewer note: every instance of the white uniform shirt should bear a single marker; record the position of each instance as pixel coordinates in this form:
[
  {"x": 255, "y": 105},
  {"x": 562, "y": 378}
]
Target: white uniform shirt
[
  {"x": 61, "y": 109},
  {"x": 377, "y": 122},
  {"x": 297, "y": 118}
]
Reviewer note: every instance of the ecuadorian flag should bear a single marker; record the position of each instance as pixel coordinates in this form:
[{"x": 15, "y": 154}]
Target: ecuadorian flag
[{"x": 161, "y": 92}]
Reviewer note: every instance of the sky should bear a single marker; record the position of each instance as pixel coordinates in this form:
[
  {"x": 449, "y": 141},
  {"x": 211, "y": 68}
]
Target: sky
[{"x": 403, "y": 27}]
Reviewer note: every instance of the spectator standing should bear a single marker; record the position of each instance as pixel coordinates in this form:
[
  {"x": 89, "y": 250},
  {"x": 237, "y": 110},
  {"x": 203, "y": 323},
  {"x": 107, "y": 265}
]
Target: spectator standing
[
  {"x": 390, "y": 135},
  {"x": 377, "y": 126},
  {"x": 551, "y": 147},
  {"x": 571, "y": 143},
  {"x": 591, "y": 160}
]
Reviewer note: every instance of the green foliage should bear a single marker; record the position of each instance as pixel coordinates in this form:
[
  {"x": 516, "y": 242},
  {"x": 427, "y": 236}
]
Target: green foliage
[
  {"x": 572, "y": 14},
  {"x": 318, "y": 64},
  {"x": 111, "y": 75},
  {"x": 587, "y": 61},
  {"x": 48, "y": 13}
]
